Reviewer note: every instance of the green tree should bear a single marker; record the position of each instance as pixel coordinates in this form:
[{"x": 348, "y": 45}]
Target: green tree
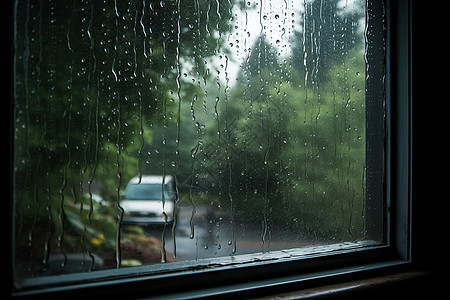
[
  {"x": 329, "y": 30},
  {"x": 326, "y": 157},
  {"x": 92, "y": 79},
  {"x": 292, "y": 156}
]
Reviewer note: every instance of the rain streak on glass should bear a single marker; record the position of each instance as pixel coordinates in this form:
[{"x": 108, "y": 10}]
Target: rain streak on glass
[{"x": 246, "y": 117}]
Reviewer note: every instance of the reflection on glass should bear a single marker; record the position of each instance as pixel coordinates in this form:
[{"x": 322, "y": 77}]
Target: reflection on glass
[{"x": 256, "y": 109}]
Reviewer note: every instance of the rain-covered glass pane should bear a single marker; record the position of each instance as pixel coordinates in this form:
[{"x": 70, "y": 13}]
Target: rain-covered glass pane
[{"x": 150, "y": 132}]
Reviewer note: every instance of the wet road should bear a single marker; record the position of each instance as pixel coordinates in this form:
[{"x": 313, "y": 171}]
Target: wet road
[{"x": 216, "y": 236}]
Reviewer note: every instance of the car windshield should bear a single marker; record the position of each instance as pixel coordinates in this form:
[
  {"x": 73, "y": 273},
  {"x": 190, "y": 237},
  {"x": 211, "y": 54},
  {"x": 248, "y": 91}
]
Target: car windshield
[{"x": 145, "y": 192}]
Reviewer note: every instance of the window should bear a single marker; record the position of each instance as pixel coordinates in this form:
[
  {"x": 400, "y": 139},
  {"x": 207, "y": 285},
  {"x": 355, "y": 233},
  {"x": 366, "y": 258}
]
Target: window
[{"x": 259, "y": 124}]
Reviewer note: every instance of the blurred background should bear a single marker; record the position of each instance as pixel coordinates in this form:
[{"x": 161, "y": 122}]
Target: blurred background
[{"x": 255, "y": 108}]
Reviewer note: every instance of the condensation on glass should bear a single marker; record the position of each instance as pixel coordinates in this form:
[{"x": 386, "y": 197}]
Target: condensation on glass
[{"x": 253, "y": 111}]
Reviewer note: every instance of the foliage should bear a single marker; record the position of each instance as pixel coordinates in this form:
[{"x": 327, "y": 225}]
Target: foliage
[
  {"x": 108, "y": 90},
  {"x": 295, "y": 156},
  {"x": 91, "y": 80},
  {"x": 328, "y": 34}
]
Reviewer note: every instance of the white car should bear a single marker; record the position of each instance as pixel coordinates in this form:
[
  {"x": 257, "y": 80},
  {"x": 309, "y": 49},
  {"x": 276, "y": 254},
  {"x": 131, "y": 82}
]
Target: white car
[{"x": 149, "y": 201}]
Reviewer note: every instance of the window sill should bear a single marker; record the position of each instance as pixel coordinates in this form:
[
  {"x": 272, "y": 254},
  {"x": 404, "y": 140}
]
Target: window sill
[
  {"x": 332, "y": 282},
  {"x": 301, "y": 267},
  {"x": 403, "y": 283}
]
